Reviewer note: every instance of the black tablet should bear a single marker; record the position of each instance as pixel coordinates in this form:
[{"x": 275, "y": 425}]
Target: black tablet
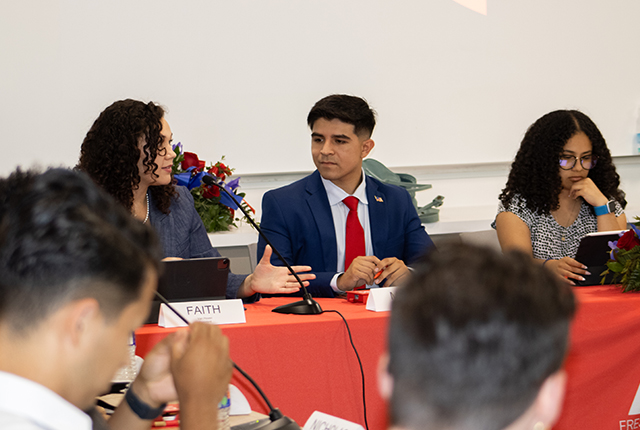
[
  {"x": 593, "y": 252},
  {"x": 191, "y": 279}
]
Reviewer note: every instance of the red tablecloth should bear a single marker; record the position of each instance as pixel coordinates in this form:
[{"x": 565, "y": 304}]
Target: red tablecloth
[
  {"x": 604, "y": 361},
  {"x": 305, "y": 363}
]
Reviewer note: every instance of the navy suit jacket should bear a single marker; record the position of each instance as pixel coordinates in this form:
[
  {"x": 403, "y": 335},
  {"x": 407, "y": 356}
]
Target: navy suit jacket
[{"x": 297, "y": 220}]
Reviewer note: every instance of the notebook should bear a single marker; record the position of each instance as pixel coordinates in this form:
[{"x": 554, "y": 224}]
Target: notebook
[{"x": 191, "y": 279}]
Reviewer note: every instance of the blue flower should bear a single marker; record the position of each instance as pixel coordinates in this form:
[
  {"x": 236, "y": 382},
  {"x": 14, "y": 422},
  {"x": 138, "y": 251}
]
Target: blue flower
[
  {"x": 234, "y": 184},
  {"x": 190, "y": 179},
  {"x": 179, "y": 146},
  {"x": 226, "y": 200}
]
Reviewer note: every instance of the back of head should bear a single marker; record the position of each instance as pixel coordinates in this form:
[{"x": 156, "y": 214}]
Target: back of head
[
  {"x": 61, "y": 239},
  {"x": 348, "y": 109},
  {"x": 535, "y": 171},
  {"x": 111, "y": 149},
  {"x": 472, "y": 337}
]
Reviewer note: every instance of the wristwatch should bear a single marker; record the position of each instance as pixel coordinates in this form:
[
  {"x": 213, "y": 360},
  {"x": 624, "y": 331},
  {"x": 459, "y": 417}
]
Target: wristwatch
[{"x": 605, "y": 209}]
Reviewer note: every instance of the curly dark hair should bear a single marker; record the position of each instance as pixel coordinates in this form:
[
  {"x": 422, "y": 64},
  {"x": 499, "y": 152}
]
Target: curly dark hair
[
  {"x": 110, "y": 151},
  {"x": 535, "y": 173}
]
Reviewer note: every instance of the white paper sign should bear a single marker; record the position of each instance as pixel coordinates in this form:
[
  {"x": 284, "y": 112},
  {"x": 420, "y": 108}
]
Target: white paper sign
[
  {"x": 321, "y": 421},
  {"x": 209, "y": 311},
  {"x": 380, "y": 299}
]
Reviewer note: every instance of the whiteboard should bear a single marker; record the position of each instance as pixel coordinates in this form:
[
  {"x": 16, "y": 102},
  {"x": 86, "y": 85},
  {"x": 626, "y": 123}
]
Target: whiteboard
[{"x": 450, "y": 86}]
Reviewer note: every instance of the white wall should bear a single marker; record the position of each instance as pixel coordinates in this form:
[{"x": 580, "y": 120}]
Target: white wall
[
  {"x": 471, "y": 191},
  {"x": 451, "y": 86}
]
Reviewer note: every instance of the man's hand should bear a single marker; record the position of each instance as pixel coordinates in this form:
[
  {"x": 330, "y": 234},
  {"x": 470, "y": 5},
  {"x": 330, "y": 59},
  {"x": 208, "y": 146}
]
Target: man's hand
[
  {"x": 393, "y": 270},
  {"x": 190, "y": 365},
  {"x": 154, "y": 384},
  {"x": 270, "y": 279},
  {"x": 200, "y": 363},
  {"x": 360, "y": 272}
]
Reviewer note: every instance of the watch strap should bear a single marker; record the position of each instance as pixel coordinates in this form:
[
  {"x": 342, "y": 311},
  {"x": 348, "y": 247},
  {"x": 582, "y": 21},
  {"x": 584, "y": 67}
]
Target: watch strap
[
  {"x": 604, "y": 209},
  {"x": 140, "y": 408}
]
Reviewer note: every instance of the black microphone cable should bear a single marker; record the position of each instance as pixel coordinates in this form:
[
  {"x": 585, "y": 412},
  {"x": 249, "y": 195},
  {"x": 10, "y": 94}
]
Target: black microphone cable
[
  {"x": 364, "y": 399},
  {"x": 274, "y": 413},
  {"x": 210, "y": 180}
]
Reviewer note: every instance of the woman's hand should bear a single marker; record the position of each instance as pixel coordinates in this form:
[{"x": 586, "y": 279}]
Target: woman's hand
[
  {"x": 568, "y": 268},
  {"x": 589, "y": 191},
  {"x": 270, "y": 279}
]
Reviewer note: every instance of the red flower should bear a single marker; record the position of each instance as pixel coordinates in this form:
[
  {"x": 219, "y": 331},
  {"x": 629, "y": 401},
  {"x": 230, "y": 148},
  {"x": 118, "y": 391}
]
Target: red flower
[
  {"x": 211, "y": 192},
  {"x": 191, "y": 160},
  {"x": 252, "y": 209},
  {"x": 215, "y": 170},
  {"x": 233, "y": 213},
  {"x": 628, "y": 241}
]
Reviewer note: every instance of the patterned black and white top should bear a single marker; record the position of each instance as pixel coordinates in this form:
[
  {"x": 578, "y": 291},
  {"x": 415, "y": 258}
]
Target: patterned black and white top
[{"x": 548, "y": 238}]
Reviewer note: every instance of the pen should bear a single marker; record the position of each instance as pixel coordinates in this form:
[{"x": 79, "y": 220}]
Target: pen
[
  {"x": 377, "y": 275},
  {"x": 175, "y": 423}
]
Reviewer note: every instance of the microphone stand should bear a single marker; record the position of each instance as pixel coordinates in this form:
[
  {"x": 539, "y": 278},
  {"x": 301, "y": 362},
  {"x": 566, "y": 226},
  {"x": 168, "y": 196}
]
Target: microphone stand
[
  {"x": 277, "y": 421},
  {"x": 306, "y": 306}
]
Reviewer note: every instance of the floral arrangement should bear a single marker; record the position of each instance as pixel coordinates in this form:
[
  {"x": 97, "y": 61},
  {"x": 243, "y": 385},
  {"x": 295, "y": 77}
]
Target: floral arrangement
[
  {"x": 624, "y": 260},
  {"x": 216, "y": 208}
]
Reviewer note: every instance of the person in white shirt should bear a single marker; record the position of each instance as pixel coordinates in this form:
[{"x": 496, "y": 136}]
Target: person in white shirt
[{"x": 77, "y": 276}]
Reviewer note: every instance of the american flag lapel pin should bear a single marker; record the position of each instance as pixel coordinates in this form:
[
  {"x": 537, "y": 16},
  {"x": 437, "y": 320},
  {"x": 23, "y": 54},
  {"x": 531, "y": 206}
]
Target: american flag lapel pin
[{"x": 378, "y": 199}]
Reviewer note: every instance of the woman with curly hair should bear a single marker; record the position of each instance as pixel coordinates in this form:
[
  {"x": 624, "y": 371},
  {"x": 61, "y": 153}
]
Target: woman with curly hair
[
  {"x": 562, "y": 186},
  {"x": 128, "y": 152}
]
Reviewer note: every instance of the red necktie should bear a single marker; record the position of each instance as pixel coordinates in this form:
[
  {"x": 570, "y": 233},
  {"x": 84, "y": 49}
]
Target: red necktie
[{"x": 354, "y": 243}]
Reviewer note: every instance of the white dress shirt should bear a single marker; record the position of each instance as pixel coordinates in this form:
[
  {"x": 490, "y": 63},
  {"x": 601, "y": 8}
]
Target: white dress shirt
[
  {"x": 26, "y": 405},
  {"x": 339, "y": 213}
]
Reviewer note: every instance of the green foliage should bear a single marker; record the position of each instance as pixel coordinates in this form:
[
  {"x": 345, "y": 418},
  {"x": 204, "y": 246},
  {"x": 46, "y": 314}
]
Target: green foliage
[{"x": 215, "y": 215}]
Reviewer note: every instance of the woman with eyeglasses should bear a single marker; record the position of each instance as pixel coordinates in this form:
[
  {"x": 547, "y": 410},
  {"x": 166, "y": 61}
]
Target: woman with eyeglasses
[
  {"x": 128, "y": 152},
  {"x": 562, "y": 186}
]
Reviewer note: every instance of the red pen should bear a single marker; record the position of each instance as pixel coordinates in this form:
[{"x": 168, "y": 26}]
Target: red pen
[
  {"x": 174, "y": 423},
  {"x": 377, "y": 275}
]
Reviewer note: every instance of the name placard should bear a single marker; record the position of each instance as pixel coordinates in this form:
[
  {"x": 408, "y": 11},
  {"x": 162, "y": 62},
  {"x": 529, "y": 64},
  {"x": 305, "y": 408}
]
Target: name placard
[
  {"x": 322, "y": 421},
  {"x": 209, "y": 311},
  {"x": 380, "y": 299}
]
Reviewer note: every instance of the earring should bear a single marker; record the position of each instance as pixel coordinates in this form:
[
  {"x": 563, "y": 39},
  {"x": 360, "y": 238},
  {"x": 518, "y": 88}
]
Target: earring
[{"x": 539, "y": 426}]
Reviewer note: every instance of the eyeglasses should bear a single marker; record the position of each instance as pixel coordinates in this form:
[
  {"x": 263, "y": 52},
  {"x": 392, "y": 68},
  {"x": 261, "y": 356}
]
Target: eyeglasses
[{"x": 568, "y": 162}]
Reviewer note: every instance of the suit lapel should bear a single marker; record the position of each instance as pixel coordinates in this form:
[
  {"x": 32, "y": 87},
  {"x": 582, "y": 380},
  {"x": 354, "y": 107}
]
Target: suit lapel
[
  {"x": 319, "y": 205},
  {"x": 378, "y": 219}
]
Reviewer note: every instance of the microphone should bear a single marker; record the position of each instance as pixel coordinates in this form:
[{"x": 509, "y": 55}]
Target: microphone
[
  {"x": 306, "y": 306},
  {"x": 276, "y": 421}
]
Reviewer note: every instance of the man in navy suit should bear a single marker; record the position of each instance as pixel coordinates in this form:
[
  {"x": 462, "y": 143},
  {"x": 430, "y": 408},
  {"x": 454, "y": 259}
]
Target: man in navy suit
[{"x": 306, "y": 221}]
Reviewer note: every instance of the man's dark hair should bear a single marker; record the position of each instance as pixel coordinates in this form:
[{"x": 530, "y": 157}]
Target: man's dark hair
[
  {"x": 348, "y": 109},
  {"x": 62, "y": 239},
  {"x": 473, "y": 335}
]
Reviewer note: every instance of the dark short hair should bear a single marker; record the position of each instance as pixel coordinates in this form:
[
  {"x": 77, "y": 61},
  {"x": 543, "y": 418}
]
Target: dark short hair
[
  {"x": 348, "y": 109},
  {"x": 535, "y": 172},
  {"x": 61, "y": 239},
  {"x": 473, "y": 335},
  {"x": 110, "y": 151}
]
